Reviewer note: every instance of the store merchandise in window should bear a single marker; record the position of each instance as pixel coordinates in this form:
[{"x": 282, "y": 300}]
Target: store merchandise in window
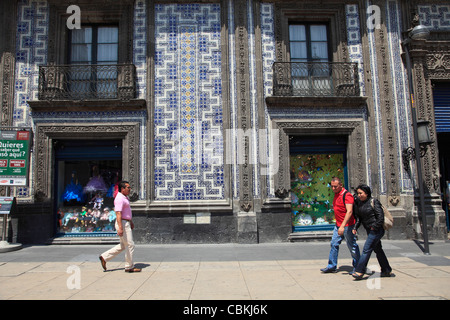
[
  {"x": 311, "y": 195},
  {"x": 88, "y": 207}
]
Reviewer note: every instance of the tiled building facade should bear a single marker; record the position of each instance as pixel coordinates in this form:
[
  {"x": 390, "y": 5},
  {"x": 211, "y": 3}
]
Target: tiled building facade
[{"x": 206, "y": 121}]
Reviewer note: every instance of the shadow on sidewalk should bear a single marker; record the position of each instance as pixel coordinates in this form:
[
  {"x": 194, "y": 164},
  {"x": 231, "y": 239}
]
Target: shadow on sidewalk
[
  {"x": 346, "y": 269},
  {"x": 137, "y": 265}
]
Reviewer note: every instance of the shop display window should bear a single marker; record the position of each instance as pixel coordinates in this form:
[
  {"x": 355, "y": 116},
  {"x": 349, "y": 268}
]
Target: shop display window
[
  {"x": 85, "y": 188},
  {"x": 311, "y": 194}
]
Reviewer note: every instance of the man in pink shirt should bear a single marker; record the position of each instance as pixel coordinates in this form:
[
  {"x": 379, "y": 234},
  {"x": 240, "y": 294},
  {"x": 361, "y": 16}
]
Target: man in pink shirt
[{"x": 124, "y": 227}]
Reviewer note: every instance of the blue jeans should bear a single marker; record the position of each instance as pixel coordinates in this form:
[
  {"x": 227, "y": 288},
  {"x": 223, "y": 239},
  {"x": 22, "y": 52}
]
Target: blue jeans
[
  {"x": 336, "y": 240},
  {"x": 373, "y": 243}
]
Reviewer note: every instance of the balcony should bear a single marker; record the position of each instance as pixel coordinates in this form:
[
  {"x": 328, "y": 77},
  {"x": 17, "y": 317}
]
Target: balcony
[
  {"x": 93, "y": 87},
  {"x": 339, "y": 79},
  {"x": 315, "y": 83}
]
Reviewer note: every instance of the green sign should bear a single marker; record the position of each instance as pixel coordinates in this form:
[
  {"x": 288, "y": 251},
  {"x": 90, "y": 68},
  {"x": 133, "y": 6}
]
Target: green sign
[{"x": 14, "y": 157}]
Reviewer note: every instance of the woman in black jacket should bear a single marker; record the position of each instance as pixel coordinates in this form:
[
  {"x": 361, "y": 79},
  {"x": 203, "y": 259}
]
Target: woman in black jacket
[{"x": 369, "y": 212}]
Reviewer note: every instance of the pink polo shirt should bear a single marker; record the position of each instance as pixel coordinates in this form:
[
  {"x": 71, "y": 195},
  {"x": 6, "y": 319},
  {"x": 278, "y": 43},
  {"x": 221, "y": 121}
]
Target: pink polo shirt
[{"x": 122, "y": 204}]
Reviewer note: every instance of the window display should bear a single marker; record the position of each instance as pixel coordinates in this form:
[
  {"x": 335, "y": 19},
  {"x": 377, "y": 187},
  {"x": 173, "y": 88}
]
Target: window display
[
  {"x": 311, "y": 194},
  {"x": 86, "y": 203}
]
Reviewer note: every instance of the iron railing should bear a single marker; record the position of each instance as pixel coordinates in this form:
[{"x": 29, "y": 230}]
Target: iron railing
[
  {"x": 87, "y": 82},
  {"x": 315, "y": 79}
]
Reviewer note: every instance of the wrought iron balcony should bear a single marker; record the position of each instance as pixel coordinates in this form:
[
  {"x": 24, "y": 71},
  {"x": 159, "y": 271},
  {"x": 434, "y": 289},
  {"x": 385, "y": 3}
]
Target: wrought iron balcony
[
  {"x": 87, "y": 82},
  {"x": 315, "y": 79}
]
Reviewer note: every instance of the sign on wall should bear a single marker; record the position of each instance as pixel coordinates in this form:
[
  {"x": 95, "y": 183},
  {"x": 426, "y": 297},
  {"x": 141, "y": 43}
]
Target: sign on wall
[
  {"x": 14, "y": 156},
  {"x": 6, "y": 204}
]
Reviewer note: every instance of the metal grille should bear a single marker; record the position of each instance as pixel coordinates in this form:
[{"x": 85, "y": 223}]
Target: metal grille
[
  {"x": 87, "y": 82},
  {"x": 315, "y": 79}
]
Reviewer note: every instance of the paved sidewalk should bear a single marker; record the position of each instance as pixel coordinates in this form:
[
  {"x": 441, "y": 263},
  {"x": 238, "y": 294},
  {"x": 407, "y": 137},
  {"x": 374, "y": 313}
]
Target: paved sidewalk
[{"x": 286, "y": 271}]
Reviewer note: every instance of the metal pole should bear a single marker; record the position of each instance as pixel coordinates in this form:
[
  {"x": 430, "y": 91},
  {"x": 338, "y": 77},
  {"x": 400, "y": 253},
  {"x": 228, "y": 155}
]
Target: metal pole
[
  {"x": 5, "y": 219},
  {"x": 417, "y": 150}
]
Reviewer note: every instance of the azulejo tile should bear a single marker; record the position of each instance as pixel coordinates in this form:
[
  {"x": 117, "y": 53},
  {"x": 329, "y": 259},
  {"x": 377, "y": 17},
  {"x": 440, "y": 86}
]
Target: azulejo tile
[{"x": 188, "y": 73}]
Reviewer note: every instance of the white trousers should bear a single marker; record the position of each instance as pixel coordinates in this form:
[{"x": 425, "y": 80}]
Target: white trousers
[{"x": 126, "y": 243}]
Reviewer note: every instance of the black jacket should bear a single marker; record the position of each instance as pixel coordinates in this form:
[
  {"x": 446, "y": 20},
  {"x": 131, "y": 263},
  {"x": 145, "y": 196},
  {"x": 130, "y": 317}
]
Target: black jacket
[{"x": 371, "y": 217}]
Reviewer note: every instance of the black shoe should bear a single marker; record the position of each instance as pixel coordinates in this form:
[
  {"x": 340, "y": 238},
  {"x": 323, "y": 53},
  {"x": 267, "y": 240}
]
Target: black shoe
[
  {"x": 328, "y": 270},
  {"x": 386, "y": 274},
  {"x": 357, "y": 276}
]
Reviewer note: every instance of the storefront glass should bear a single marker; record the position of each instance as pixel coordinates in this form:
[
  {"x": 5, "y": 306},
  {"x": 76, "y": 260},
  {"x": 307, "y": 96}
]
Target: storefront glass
[
  {"x": 85, "y": 187},
  {"x": 311, "y": 193}
]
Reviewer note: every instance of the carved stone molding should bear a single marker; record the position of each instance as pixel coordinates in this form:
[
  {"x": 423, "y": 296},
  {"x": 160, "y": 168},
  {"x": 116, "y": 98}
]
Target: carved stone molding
[
  {"x": 356, "y": 147},
  {"x": 243, "y": 101},
  {"x": 437, "y": 68},
  {"x": 8, "y": 26},
  {"x": 7, "y": 66},
  {"x": 438, "y": 61},
  {"x": 44, "y": 154},
  {"x": 430, "y": 62}
]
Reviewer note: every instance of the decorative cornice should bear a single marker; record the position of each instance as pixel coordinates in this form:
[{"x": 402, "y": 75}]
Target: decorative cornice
[
  {"x": 336, "y": 102},
  {"x": 87, "y": 105}
]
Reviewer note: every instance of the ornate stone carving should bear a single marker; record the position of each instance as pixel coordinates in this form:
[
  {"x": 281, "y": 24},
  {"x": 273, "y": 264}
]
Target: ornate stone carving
[
  {"x": 433, "y": 65},
  {"x": 438, "y": 61},
  {"x": 394, "y": 200},
  {"x": 281, "y": 193},
  {"x": 246, "y": 206},
  {"x": 43, "y": 151},
  {"x": 7, "y": 92},
  {"x": 243, "y": 102},
  {"x": 354, "y": 129},
  {"x": 430, "y": 61}
]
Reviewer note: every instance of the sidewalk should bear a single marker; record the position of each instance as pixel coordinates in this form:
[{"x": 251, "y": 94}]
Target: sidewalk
[{"x": 286, "y": 271}]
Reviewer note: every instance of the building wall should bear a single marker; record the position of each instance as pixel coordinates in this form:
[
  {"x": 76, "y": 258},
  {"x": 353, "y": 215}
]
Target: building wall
[{"x": 204, "y": 76}]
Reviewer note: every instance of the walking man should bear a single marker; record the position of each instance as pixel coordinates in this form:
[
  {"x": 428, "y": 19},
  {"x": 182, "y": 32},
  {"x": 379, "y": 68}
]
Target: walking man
[
  {"x": 343, "y": 213},
  {"x": 124, "y": 227}
]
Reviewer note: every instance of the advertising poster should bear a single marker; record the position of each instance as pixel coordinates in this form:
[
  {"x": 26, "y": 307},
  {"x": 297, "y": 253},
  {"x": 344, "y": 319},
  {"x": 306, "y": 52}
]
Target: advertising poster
[
  {"x": 14, "y": 157},
  {"x": 6, "y": 204}
]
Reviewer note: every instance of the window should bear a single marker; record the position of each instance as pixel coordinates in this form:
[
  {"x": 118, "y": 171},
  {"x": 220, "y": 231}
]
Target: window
[
  {"x": 310, "y": 68},
  {"x": 93, "y": 56},
  {"x": 309, "y": 42},
  {"x": 87, "y": 175},
  {"x": 313, "y": 161},
  {"x": 94, "y": 45}
]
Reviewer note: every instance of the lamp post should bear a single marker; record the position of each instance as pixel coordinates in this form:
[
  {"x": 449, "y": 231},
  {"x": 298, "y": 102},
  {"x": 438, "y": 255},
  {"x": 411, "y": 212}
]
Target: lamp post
[{"x": 419, "y": 32}]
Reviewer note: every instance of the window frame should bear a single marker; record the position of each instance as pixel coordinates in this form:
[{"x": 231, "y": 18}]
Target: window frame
[
  {"x": 94, "y": 44},
  {"x": 308, "y": 41},
  {"x": 310, "y": 76},
  {"x": 98, "y": 81}
]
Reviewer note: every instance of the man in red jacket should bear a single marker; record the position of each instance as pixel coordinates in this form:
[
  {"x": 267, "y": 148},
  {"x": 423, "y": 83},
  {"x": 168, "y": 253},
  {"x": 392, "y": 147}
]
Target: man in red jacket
[{"x": 343, "y": 212}]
